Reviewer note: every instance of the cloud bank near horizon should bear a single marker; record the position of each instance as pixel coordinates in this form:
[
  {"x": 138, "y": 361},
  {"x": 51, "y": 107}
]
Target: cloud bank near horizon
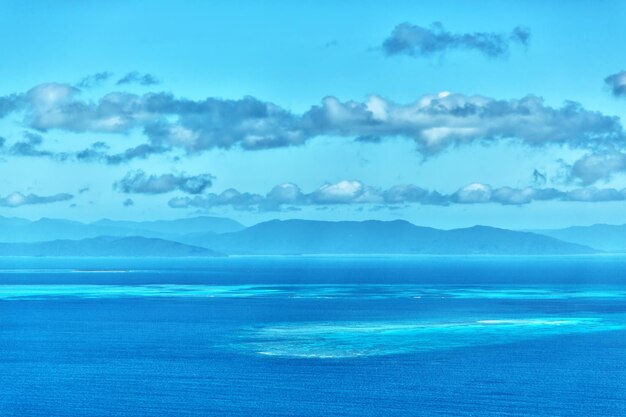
[
  {"x": 289, "y": 196},
  {"x": 17, "y": 199}
]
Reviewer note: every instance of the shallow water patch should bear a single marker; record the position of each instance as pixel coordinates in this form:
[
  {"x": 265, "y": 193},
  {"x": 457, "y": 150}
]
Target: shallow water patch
[{"x": 359, "y": 339}]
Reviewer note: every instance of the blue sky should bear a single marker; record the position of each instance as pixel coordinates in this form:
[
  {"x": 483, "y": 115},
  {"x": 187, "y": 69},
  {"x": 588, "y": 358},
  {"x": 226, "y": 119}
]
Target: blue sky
[{"x": 446, "y": 114}]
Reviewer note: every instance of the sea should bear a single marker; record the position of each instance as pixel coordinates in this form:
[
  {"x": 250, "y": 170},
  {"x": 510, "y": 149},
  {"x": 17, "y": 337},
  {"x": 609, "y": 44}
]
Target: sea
[{"x": 316, "y": 336}]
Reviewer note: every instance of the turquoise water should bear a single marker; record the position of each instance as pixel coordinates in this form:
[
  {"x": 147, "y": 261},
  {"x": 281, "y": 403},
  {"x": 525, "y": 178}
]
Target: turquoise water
[
  {"x": 339, "y": 291},
  {"x": 313, "y": 336}
]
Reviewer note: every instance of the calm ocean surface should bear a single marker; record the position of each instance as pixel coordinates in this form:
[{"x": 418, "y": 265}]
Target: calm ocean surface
[{"x": 313, "y": 336}]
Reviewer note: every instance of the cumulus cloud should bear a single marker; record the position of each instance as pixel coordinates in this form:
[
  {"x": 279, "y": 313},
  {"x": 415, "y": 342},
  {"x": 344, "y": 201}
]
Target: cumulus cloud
[
  {"x": 344, "y": 192},
  {"x": 289, "y": 196},
  {"x": 139, "y": 182},
  {"x": 417, "y": 41},
  {"x": 617, "y": 83},
  {"x": 135, "y": 77},
  {"x": 598, "y": 166},
  {"x": 473, "y": 193},
  {"x": 18, "y": 199},
  {"x": 58, "y": 106}
]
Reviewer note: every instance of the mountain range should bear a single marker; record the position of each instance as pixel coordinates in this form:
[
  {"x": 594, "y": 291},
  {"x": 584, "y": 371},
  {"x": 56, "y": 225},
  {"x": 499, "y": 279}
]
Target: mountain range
[
  {"x": 21, "y": 230},
  {"x": 378, "y": 237},
  {"x": 213, "y": 236}
]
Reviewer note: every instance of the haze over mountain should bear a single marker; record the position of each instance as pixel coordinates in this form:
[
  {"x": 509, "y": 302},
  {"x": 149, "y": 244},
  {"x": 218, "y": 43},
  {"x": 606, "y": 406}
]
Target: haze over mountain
[
  {"x": 605, "y": 237},
  {"x": 22, "y": 230}
]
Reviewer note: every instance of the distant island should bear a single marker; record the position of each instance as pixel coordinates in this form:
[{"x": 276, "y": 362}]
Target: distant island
[
  {"x": 135, "y": 246},
  {"x": 214, "y": 236}
]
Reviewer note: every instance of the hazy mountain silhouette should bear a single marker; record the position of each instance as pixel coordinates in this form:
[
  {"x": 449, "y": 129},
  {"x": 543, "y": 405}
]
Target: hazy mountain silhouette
[
  {"x": 368, "y": 237},
  {"x": 21, "y": 230},
  {"x": 177, "y": 227},
  {"x": 202, "y": 235},
  {"x": 605, "y": 237}
]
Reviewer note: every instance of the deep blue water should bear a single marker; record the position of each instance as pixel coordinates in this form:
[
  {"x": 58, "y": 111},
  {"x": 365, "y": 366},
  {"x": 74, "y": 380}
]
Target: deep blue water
[{"x": 313, "y": 336}]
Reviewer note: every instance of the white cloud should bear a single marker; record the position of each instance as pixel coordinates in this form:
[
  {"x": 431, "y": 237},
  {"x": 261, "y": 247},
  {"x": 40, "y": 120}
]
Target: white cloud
[{"x": 474, "y": 193}]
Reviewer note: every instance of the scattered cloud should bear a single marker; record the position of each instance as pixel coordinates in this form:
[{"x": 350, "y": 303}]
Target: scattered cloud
[
  {"x": 419, "y": 41},
  {"x": 617, "y": 83},
  {"x": 94, "y": 80},
  {"x": 99, "y": 152},
  {"x": 29, "y": 146},
  {"x": 138, "y": 182},
  {"x": 289, "y": 196},
  {"x": 539, "y": 178},
  {"x": 10, "y": 104},
  {"x": 136, "y": 77},
  {"x": 18, "y": 199}
]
